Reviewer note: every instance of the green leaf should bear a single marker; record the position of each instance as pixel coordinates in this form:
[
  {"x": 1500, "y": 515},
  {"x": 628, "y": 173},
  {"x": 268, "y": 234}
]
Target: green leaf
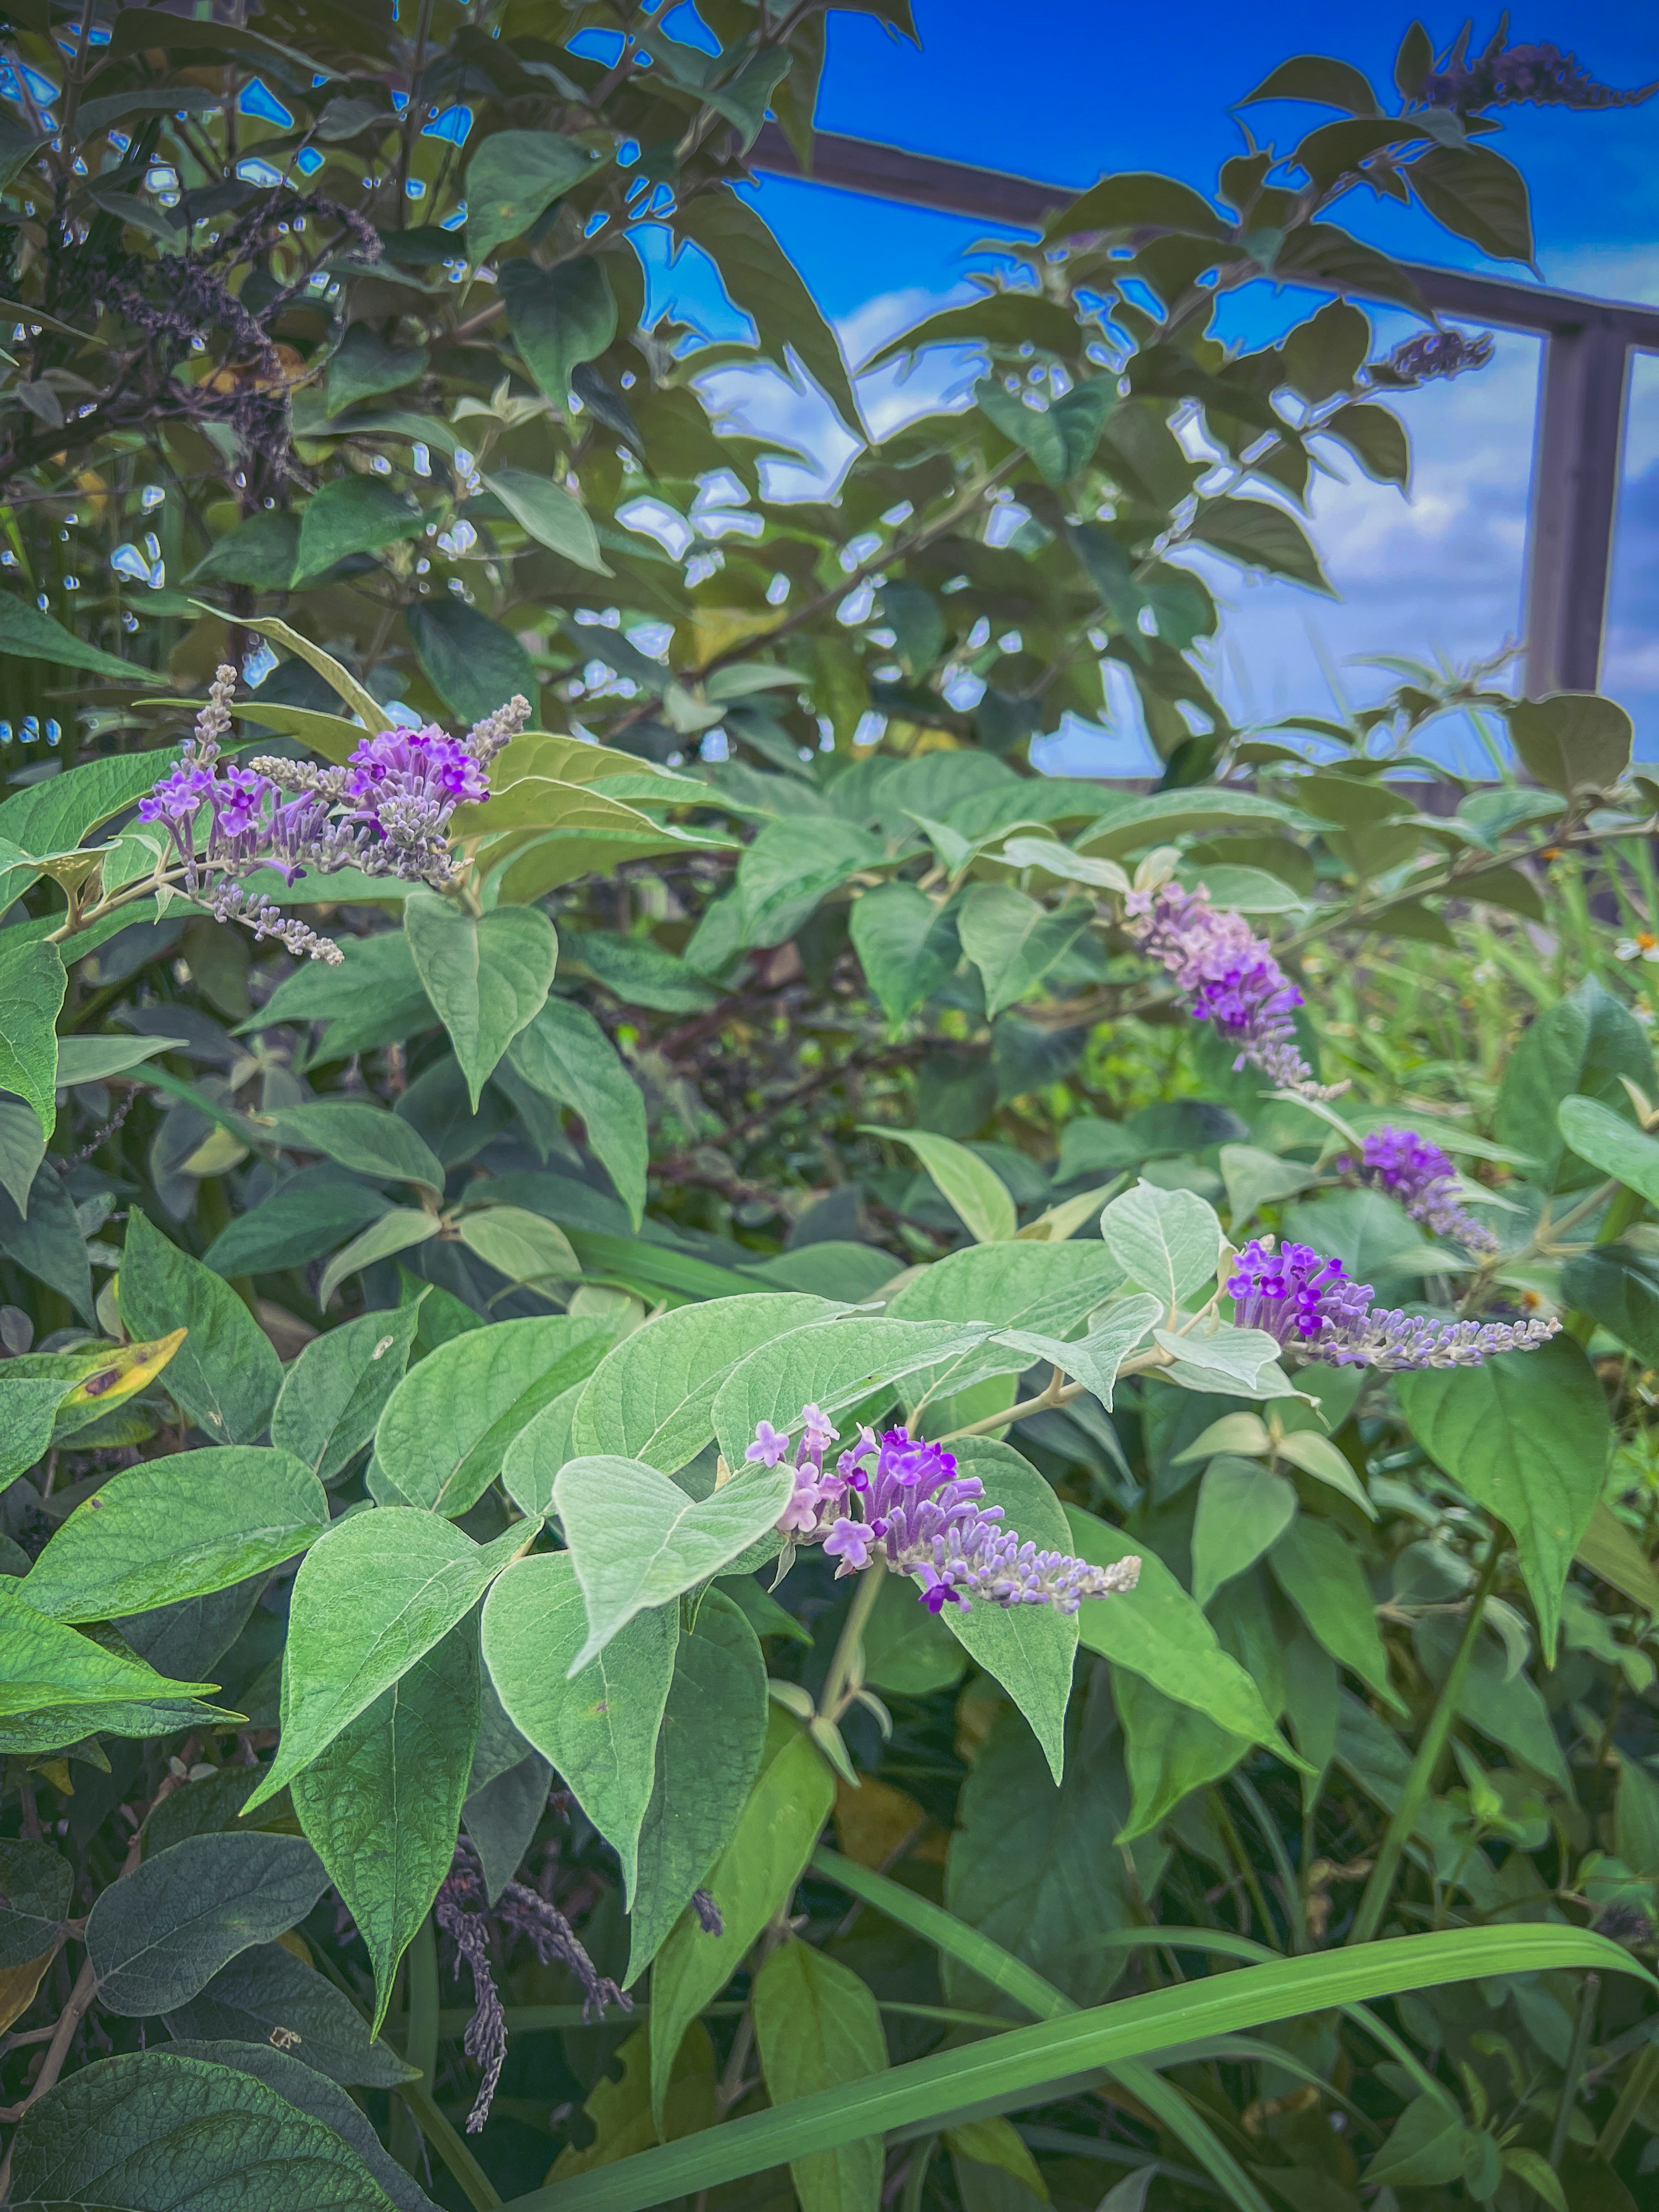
[
  {"x": 52, "y": 1666},
  {"x": 709, "y": 1751},
  {"x": 352, "y": 514},
  {"x": 1167, "y": 1242},
  {"x": 1014, "y": 942},
  {"x": 818, "y": 2027},
  {"x": 22, "y": 1148},
  {"x": 760, "y": 278},
  {"x": 1094, "y": 1360},
  {"x": 1377, "y": 438},
  {"x": 636, "y": 1541},
  {"x": 1582, "y": 1045},
  {"x": 472, "y": 663},
  {"x": 595, "y": 1718},
  {"x": 791, "y": 866},
  {"x": 397, "y": 1230},
  {"x": 554, "y": 517},
  {"x": 754, "y": 1878},
  {"x": 1527, "y": 1436},
  {"x": 38, "y": 1884},
  {"x": 159, "y": 1935},
  {"x": 1315, "y": 77},
  {"x": 836, "y": 1366},
  {"x": 1572, "y": 740},
  {"x": 1426, "y": 2146},
  {"x": 1242, "y": 1510},
  {"x": 512, "y": 177},
  {"x": 32, "y": 982},
  {"x": 339, "y": 679},
  {"x": 267, "y": 1997},
  {"x": 335, "y": 1392},
  {"x": 381, "y": 1805},
  {"x": 1169, "y": 1750},
  {"x": 1030, "y": 1649},
  {"x": 175, "y": 1528},
  {"x": 260, "y": 551},
  {"x": 448, "y": 1426},
  {"x": 148, "y": 2129},
  {"x": 1021, "y": 2067},
  {"x": 225, "y": 1374},
  {"x": 1619, "y": 1287},
  {"x": 524, "y": 1247},
  {"x": 1477, "y": 195},
  {"x": 300, "y": 1221},
  {"x": 907, "y": 946},
  {"x": 1136, "y": 200},
  {"x": 28, "y": 1411},
  {"x": 564, "y": 1053},
  {"x": 49, "y": 1244},
  {"x": 362, "y": 367},
  {"x": 30, "y": 633},
  {"x": 651, "y": 1397},
  {"x": 1609, "y": 1142},
  {"x": 371, "y": 1597},
  {"x": 965, "y": 1181},
  {"x": 365, "y": 1138},
  {"x": 371, "y": 998},
  {"x": 487, "y": 975},
  {"x": 559, "y": 318},
  {"x": 1318, "y": 1571},
  {"x": 1260, "y": 535},
  {"x": 1158, "y": 1631}
]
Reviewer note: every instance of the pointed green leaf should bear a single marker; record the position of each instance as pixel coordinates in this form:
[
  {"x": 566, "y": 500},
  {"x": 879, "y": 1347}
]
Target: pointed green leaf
[
  {"x": 225, "y": 1374},
  {"x": 487, "y": 975}
]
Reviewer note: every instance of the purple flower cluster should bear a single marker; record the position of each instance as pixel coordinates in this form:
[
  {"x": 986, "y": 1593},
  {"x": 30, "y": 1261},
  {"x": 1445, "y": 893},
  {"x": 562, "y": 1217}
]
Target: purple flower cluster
[
  {"x": 1312, "y": 1305},
  {"x": 1425, "y": 1181},
  {"x": 463, "y": 1911},
  {"x": 1435, "y": 353},
  {"x": 1509, "y": 77},
  {"x": 1230, "y": 977},
  {"x": 387, "y": 812},
  {"x": 913, "y": 1514}
]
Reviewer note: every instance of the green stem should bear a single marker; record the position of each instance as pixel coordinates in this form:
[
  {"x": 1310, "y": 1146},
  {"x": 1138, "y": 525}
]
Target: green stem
[
  {"x": 1577, "y": 2051},
  {"x": 475, "y": 2183},
  {"x": 1430, "y": 1752},
  {"x": 846, "y": 1665},
  {"x": 420, "y": 2042},
  {"x": 915, "y": 2181},
  {"x": 1636, "y": 2086}
]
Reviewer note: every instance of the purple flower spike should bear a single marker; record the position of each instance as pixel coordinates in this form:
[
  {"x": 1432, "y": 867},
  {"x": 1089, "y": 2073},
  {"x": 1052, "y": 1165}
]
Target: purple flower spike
[
  {"x": 913, "y": 1514},
  {"x": 1230, "y": 977},
  {"x": 1425, "y": 1181},
  {"x": 1311, "y": 1305}
]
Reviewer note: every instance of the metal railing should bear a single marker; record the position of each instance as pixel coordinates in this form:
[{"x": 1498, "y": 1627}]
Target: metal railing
[{"x": 1578, "y": 436}]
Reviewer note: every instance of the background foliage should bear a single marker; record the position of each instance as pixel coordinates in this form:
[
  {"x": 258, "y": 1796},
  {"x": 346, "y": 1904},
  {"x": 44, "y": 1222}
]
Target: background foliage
[{"x": 332, "y": 355}]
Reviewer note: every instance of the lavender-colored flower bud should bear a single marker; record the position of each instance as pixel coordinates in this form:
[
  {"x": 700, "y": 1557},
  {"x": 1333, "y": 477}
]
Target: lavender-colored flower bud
[
  {"x": 486, "y": 738},
  {"x": 1229, "y": 976},
  {"x": 1423, "y": 1179}
]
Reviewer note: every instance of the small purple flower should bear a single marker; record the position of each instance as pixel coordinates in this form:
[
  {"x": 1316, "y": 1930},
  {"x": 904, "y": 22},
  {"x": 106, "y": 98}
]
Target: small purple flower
[
  {"x": 1312, "y": 1306},
  {"x": 423, "y": 763},
  {"x": 1423, "y": 1179},
  {"x": 916, "y": 1516},
  {"x": 1230, "y": 977},
  {"x": 770, "y": 1445}
]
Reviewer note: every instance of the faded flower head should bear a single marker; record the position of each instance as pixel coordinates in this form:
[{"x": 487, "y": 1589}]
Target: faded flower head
[
  {"x": 1311, "y": 1304},
  {"x": 1433, "y": 355},
  {"x": 1229, "y": 976},
  {"x": 1423, "y": 1179},
  {"x": 912, "y": 1513},
  {"x": 1509, "y": 76}
]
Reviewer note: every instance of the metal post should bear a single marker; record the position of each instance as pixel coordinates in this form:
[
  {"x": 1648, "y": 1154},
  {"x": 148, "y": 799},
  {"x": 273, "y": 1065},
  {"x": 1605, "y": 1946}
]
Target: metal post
[{"x": 1576, "y": 470}]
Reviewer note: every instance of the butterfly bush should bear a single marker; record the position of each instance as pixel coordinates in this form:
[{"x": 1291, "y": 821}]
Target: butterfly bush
[
  {"x": 386, "y": 813},
  {"x": 1229, "y": 976},
  {"x": 912, "y": 1514},
  {"x": 1311, "y": 1305},
  {"x": 1423, "y": 1179}
]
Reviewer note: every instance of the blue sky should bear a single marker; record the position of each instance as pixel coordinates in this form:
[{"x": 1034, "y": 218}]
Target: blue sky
[{"x": 1103, "y": 87}]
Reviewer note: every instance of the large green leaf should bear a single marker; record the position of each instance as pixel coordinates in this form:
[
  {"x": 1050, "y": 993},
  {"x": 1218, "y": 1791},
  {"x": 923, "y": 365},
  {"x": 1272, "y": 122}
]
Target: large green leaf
[
  {"x": 1243, "y": 1509},
  {"x": 334, "y": 1394},
  {"x": 372, "y": 1597},
  {"x": 514, "y": 177},
  {"x": 32, "y": 982},
  {"x": 225, "y": 1374},
  {"x": 1023, "y": 2066},
  {"x": 836, "y": 1366},
  {"x": 1030, "y": 1649},
  {"x": 176, "y": 1528},
  {"x": 1319, "y": 1572},
  {"x": 554, "y": 517},
  {"x": 637, "y": 1540},
  {"x": 564, "y": 1053},
  {"x": 472, "y": 663},
  {"x": 1581, "y": 1046},
  {"x": 816, "y": 2028},
  {"x": 47, "y": 1242},
  {"x": 266, "y": 1990},
  {"x": 381, "y": 1805},
  {"x": 1014, "y": 942},
  {"x": 448, "y": 1426},
  {"x": 371, "y": 998},
  {"x": 162, "y": 1933},
  {"x": 351, "y": 514},
  {"x": 150, "y": 2130},
  {"x": 909, "y": 946},
  {"x": 709, "y": 1750},
  {"x": 651, "y": 1397},
  {"x": 596, "y": 1719},
  {"x": 1611, "y": 1143},
  {"x": 50, "y": 1665},
  {"x": 967, "y": 1184},
  {"x": 487, "y": 975},
  {"x": 28, "y": 1411},
  {"x": 30, "y": 633},
  {"x": 1167, "y": 1242},
  {"x": 560, "y": 318},
  {"x": 754, "y": 1878},
  {"x": 1527, "y": 1436}
]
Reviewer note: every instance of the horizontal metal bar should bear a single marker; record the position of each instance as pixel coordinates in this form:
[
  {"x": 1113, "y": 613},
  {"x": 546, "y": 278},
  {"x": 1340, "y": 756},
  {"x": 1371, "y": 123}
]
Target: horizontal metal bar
[{"x": 863, "y": 165}]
